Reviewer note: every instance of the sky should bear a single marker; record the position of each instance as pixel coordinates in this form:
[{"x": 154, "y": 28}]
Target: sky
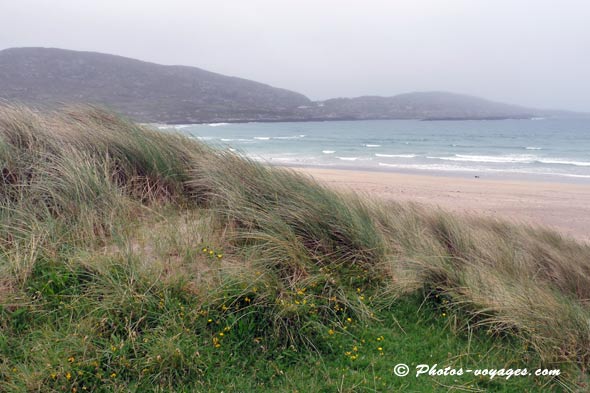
[{"x": 529, "y": 52}]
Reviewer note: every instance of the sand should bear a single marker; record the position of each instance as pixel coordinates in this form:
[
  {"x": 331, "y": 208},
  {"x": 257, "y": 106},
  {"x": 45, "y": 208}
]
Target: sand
[{"x": 564, "y": 207}]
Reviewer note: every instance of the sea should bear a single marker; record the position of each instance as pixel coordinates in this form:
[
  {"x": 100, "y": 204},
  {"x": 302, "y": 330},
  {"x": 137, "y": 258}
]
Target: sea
[{"x": 537, "y": 149}]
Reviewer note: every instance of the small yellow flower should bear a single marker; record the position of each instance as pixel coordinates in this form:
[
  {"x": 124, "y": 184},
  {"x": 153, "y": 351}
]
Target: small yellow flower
[
  {"x": 444, "y": 314},
  {"x": 53, "y": 375},
  {"x": 380, "y": 349},
  {"x": 349, "y": 320},
  {"x": 226, "y": 329},
  {"x": 68, "y": 376},
  {"x": 71, "y": 359},
  {"x": 113, "y": 375},
  {"x": 247, "y": 299},
  {"x": 220, "y": 334},
  {"x": 355, "y": 348},
  {"x": 219, "y": 256},
  {"x": 205, "y": 249},
  {"x": 211, "y": 252}
]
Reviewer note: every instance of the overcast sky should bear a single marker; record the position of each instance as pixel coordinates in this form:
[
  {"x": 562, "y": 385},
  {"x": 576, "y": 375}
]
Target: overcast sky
[{"x": 529, "y": 52}]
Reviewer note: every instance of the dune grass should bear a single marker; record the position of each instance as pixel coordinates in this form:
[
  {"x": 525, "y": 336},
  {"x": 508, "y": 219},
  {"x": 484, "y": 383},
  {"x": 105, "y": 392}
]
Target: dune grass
[{"x": 134, "y": 260}]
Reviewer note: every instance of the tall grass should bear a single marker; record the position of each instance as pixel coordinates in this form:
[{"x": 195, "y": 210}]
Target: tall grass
[{"x": 271, "y": 250}]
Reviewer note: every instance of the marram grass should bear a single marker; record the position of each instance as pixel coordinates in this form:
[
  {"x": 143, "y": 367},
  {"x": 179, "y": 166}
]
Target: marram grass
[{"x": 134, "y": 260}]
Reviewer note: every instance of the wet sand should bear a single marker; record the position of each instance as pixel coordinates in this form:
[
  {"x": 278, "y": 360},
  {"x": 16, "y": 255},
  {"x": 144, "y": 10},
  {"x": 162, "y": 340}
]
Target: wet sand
[{"x": 564, "y": 207}]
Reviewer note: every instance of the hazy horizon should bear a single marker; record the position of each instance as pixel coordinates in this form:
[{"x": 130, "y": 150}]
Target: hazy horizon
[{"x": 533, "y": 54}]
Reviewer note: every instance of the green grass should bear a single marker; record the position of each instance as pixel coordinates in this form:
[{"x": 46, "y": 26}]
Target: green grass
[{"x": 134, "y": 260}]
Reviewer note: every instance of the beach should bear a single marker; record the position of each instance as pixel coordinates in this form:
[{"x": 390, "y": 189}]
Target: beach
[{"x": 561, "y": 206}]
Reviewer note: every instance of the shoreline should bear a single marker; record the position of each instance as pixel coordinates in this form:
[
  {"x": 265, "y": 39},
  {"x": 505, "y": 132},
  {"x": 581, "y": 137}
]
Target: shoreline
[
  {"x": 559, "y": 206},
  {"x": 483, "y": 175},
  {"x": 344, "y": 118}
]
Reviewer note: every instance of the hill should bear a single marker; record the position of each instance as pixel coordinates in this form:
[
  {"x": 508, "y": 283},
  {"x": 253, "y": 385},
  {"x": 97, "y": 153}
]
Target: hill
[
  {"x": 149, "y": 92},
  {"x": 145, "y": 91},
  {"x": 421, "y": 105}
]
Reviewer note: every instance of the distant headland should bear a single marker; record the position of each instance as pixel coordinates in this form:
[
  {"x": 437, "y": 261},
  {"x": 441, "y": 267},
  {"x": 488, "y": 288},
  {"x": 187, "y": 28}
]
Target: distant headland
[{"x": 148, "y": 92}]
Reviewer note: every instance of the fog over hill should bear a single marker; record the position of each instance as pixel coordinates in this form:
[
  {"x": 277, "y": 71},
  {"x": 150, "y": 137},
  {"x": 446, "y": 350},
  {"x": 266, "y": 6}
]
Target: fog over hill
[{"x": 151, "y": 92}]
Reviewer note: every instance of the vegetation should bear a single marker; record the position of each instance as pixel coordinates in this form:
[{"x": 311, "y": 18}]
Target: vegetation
[{"x": 134, "y": 260}]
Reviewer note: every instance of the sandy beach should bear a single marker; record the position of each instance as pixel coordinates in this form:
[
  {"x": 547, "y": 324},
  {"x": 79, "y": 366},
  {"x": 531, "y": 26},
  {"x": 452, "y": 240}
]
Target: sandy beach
[{"x": 563, "y": 207}]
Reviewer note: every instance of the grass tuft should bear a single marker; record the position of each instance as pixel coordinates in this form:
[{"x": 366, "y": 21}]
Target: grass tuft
[{"x": 132, "y": 259}]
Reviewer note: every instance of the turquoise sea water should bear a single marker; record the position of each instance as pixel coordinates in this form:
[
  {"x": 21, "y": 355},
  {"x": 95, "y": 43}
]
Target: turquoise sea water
[{"x": 545, "y": 149}]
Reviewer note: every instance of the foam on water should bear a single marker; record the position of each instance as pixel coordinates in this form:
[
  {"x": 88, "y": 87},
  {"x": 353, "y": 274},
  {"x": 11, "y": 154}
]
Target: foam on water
[
  {"x": 395, "y": 155},
  {"x": 546, "y": 148},
  {"x": 496, "y": 159},
  {"x": 564, "y": 162},
  {"x": 289, "y": 137}
]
